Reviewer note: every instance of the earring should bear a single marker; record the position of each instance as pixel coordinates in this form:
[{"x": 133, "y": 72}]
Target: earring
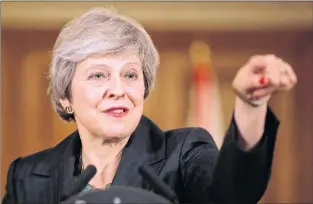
[{"x": 69, "y": 109}]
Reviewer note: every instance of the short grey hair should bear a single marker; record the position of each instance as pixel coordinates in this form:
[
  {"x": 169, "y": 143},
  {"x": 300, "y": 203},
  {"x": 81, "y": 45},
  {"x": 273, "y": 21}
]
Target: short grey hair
[{"x": 98, "y": 31}]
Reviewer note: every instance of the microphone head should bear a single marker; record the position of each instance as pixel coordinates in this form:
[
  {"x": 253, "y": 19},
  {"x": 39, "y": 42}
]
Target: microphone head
[
  {"x": 117, "y": 195},
  {"x": 90, "y": 171},
  {"x": 86, "y": 175},
  {"x": 81, "y": 181}
]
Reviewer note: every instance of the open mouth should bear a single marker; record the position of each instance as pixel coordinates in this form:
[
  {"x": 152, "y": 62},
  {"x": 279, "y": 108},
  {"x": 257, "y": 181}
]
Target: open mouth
[{"x": 117, "y": 111}]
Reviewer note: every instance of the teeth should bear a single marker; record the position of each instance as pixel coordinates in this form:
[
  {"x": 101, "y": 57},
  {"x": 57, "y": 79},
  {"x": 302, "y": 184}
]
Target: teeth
[{"x": 118, "y": 111}]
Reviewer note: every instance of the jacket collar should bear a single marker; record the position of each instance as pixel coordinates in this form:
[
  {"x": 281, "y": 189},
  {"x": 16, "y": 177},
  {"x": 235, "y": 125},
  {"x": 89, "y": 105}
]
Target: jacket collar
[{"x": 146, "y": 146}]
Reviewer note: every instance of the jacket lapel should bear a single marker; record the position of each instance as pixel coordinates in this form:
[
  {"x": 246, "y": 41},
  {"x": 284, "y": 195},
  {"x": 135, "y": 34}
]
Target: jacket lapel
[
  {"x": 49, "y": 170},
  {"x": 146, "y": 147}
]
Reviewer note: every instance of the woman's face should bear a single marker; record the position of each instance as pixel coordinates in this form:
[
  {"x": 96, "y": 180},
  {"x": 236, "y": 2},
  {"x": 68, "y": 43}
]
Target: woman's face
[{"x": 108, "y": 95}]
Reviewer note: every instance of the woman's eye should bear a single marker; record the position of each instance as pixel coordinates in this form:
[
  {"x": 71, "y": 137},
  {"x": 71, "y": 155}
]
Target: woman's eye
[
  {"x": 131, "y": 75},
  {"x": 97, "y": 76}
]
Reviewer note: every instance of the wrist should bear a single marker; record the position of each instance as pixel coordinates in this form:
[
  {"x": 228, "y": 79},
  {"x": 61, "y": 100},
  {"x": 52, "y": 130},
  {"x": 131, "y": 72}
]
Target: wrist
[
  {"x": 252, "y": 111},
  {"x": 250, "y": 121},
  {"x": 251, "y": 101}
]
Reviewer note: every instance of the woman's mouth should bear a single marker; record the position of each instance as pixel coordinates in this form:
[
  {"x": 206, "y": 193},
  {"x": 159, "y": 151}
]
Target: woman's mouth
[{"x": 117, "y": 112}]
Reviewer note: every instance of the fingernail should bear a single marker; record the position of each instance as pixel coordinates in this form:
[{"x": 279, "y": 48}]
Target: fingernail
[{"x": 262, "y": 80}]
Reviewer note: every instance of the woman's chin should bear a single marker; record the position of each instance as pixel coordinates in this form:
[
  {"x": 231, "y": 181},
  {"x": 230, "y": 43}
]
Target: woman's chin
[
  {"x": 116, "y": 134},
  {"x": 115, "y": 130}
]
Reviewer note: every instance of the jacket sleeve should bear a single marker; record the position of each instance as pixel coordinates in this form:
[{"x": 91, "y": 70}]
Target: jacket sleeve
[
  {"x": 231, "y": 175},
  {"x": 10, "y": 195}
]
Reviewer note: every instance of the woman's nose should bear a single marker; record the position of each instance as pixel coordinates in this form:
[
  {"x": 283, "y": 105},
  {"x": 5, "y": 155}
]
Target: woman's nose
[{"x": 115, "y": 88}]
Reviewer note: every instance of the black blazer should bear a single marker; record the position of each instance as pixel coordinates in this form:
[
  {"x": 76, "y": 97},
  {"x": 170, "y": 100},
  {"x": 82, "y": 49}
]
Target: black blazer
[{"x": 187, "y": 159}]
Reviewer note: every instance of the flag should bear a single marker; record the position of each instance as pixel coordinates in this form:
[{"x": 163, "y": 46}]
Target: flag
[{"x": 205, "y": 108}]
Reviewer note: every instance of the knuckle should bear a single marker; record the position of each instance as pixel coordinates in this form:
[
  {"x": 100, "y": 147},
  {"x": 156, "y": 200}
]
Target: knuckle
[
  {"x": 294, "y": 80},
  {"x": 271, "y": 56},
  {"x": 254, "y": 58},
  {"x": 275, "y": 82}
]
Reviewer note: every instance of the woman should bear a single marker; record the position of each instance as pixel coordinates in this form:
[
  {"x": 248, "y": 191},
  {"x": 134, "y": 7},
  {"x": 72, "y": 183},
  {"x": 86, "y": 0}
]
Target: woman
[{"x": 102, "y": 69}]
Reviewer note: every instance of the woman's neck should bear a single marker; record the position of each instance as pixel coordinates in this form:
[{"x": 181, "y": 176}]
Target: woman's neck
[
  {"x": 100, "y": 152},
  {"x": 104, "y": 155}
]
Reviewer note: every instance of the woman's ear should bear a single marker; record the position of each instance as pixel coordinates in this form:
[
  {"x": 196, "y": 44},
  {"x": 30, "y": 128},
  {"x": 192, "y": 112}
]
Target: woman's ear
[
  {"x": 65, "y": 103},
  {"x": 67, "y": 106}
]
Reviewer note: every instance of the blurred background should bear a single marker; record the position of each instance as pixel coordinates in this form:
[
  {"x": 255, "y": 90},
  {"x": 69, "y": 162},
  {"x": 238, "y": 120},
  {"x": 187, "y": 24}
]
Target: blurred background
[{"x": 229, "y": 33}]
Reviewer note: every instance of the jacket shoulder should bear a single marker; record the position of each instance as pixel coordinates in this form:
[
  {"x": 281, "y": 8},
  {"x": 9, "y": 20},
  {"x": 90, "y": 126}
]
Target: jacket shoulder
[
  {"x": 178, "y": 134},
  {"x": 188, "y": 138},
  {"x": 189, "y": 133},
  {"x": 24, "y": 165}
]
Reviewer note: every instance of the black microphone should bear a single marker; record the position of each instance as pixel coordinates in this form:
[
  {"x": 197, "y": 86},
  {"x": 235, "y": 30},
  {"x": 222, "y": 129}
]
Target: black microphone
[
  {"x": 158, "y": 184},
  {"x": 81, "y": 181}
]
